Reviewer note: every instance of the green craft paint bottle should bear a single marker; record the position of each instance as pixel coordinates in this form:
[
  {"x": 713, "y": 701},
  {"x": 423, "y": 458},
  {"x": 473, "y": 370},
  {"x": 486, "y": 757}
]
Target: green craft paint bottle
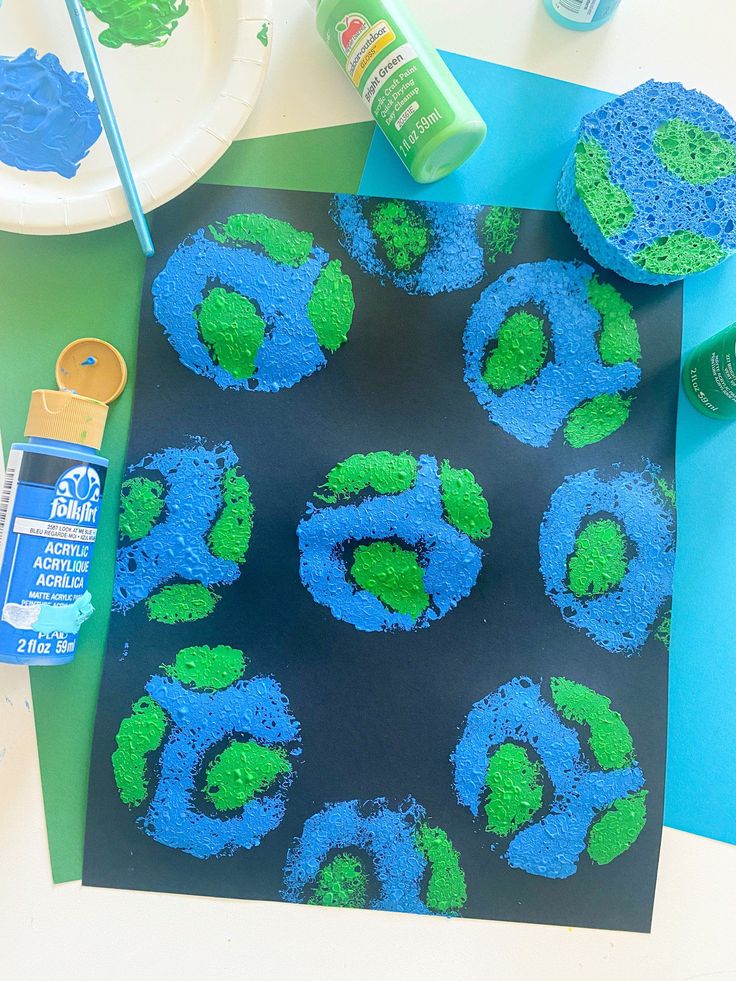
[
  {"x": 709, "y": 375},
  {"x": 413, "y": 96}
]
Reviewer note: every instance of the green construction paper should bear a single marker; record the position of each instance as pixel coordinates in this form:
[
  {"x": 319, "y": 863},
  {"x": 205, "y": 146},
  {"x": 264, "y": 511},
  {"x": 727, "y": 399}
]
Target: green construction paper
[{"x": 55, "y": 290}]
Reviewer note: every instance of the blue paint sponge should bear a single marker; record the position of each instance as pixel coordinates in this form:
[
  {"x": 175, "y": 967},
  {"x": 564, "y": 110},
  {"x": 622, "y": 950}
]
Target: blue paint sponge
[{"x": 650, "y": 188}]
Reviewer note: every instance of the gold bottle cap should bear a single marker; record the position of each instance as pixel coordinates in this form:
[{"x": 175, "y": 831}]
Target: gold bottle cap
[
  {"x": 92, "y": 368},
  {"x": 66, "y": 416}
]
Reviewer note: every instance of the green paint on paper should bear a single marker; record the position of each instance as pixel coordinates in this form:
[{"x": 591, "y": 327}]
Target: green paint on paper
[
  {"x": 618, "y": 340},
  {"x": 463, "y": 500},
  {"x": 446, "y": 891},
  {"x": 521, "y": 350},
  {"x": 138, "y": 22},
  {"x": 393, "y": 574},
  {"x": 599, "y": 562},
  {"x": 680, "y": 254},
  {"x": 500, "y": 231},
  {"x": 515, "y": 789},
  {"x": 207, "y": 668},
  {"x": 262, "y": 35},
  {"x": 241, "y": 771},
  {"x": 141, "y": 504},
  {"x": 331, "y": 306},
  {"x": 342, "y": 883},
  {"x": 664, "y": 630},
  {"x": 402, "y": 231},
  {"x": 694, "y": 154},
  {"x": 232, "y": 329},
  {"x": 610, "y": 740},
  {"x": 667, "y": 491},
  {"x": 279, "y": 240},
  {"x": 181, "y": 603},
  {"x": 610, "y": 206},
  {"x": 141, "y": 733},
  {"x": 385, "y": 473},
  {"x": 230, "y": 534},
  {"x": 595, "y": 419},
  {"x": 618, "y": 828}
]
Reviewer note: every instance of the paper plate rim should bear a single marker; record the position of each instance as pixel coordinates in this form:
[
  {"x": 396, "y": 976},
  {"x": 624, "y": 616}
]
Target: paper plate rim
[{"x": 179, "y": 166}]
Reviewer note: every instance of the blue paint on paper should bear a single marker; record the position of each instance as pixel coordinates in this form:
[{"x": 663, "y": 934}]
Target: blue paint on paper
[
  {"x": 385, "y": 835},
  {"x": 516, "y": 712},
  {"x": 451, "y": 561},
  {"x": 533, "y": 412},
  {"x": 176, "y": 548},
  {"x": 620, "y": 620},
  {"x": 454, "y": 259},
  {"x": 257, "y": 709},
  {"x": 48, "y": 122}
]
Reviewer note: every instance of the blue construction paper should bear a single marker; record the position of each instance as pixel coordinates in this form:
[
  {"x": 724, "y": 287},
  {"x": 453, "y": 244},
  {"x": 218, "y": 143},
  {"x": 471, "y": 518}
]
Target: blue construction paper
[{"x": 532, "y": 122}]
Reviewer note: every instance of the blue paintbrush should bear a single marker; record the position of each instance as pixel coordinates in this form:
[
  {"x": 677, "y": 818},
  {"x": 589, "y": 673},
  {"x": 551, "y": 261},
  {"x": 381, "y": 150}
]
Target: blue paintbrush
[{"x": 94, "y": 73}]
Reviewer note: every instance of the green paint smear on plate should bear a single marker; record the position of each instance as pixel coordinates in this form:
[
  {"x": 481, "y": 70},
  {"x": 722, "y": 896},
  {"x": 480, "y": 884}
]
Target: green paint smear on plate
[
  {"x": 696, "y": 155},
  {"x": 279, "y": 240},
  {"x": 141, "y": 733},
  {"x": 207, "y": 668},
  {"x": 402, "y": 231},
  {"x": 342, "y": 883},
  {"x": 596, "y": 419},
  {"x": 618, "y": 340},
  {"x": 392, "y": 574},
  {"x": 599, "y": 562},
  {"x": 232, "y": 330},
  {"x": 520, "y": 352},
  {"x": 500, "y": 231},
  {"x": 610, "y": 740},
  {"x": 331, "y": 306},
  {"x": 181, "y": 603},
  {"x": 137, "y": 22},
  {"x": 464, "y": 502},
  {"x": 446, "y": 890},
  {"x": 230, "y": 534},
  {"x": 383, "y": 472},
  {"x": 241, "y": 771},
  {"x": 514, "y": 783},
  {"x": 618, "y": 828},
  {"x": 141, "y": 504},
  {"x": 262, "y": 35},
  {"x": 680, "y": 254},
  {"x": 610, "y": 206}
]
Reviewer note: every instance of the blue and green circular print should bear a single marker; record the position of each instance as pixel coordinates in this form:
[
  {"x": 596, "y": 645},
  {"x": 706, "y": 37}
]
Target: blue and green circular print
[
  {"x": 549, "y": 346},
  {"x": 186, "y": 519},
  {"x": 253, "y": 303},
  {"x": 391, "y": 543},
  {"x": 424, "y": 247},
  {"x": 374, "y": 856},
  {"x": 203, "y": 804},
  {"x": 607, "y": 555},
  {"x": 551, "y": 777}
]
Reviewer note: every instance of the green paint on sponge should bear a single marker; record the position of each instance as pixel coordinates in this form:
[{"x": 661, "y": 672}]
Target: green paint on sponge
[
  {"x": 520, "y": 352},
  {"x": 393, "y": 575},
  {"x": 402, "y": 231},
  {"x": 331, "y": 306},
  {"x": 596, "y": 419},
  {"x": 618, "y": 340},
  {"x": 207, "y": 668},
  {"x": 446, "y": 890},
  {"x": 141, "y": 733},
  {"x": 610, "y": 206},
  {"x": 696, "y": 155},
  {"x": 181, "y": 603},
  {"x": 500, "y": 231},
  {"x": 610, "y": 740},
  {"x": 241, "y": 771},
  {"x": 464, "y": 502},
  {"x": 680, "y": 254},
  {"x": 233, "y": 331},
  {"x": 279, "y": 240},
  {"x": 515, "y": 789},
  {"x": 385, "y": 473},
  {"x": 141, "y": 504},
  {"x": 343, "y": 883},
  {"x": 618, "y": 828},
  {"x": 599, "y": 562},
  {"x": 230, "y": 535}
]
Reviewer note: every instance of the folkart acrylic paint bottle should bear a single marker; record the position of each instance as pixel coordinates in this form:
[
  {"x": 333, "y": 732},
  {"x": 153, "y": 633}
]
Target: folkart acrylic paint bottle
[
  {"x": 709, "y": 375},
  {"x": 49, "y": 511},
  {"x": 582, "y": 15},
  {"x": 413, "y": 96}
]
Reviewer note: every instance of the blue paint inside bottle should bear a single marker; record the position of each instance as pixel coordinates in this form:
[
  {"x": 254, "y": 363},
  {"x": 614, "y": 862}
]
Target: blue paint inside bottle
[{"x": 581, "y": 15}]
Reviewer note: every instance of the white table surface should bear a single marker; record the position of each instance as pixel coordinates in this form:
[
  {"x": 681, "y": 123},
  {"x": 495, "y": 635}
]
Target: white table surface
[{"x": 67, "y": 933}]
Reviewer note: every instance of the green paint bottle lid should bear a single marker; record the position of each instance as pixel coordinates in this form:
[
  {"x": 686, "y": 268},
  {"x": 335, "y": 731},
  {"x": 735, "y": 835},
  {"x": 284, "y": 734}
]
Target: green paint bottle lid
[{"x": 92, "y": 368}]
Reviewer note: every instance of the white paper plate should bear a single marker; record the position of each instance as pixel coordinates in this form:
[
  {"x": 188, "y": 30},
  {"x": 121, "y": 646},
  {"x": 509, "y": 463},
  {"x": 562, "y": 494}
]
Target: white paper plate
[{"x": 179, "y": 107}]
